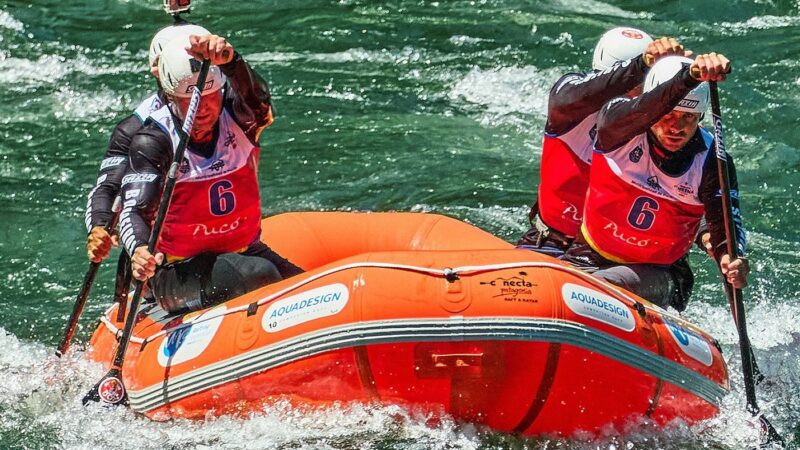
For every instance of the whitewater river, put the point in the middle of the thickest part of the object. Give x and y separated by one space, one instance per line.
381 105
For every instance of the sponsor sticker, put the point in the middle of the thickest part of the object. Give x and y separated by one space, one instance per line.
111 390
190 342
111 162
139 178
300 308
690 343
636 154
598 306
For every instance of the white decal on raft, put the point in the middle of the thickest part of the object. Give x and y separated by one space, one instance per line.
690 343
189 342
300 308
598 306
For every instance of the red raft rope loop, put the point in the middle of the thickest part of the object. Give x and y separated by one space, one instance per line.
423 310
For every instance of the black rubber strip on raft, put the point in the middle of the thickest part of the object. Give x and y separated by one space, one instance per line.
365 371
548 378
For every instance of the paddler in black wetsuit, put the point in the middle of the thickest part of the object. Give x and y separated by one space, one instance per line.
621 59
653 178
209 248
112 167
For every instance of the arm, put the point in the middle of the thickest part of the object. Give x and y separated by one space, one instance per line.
149 160
712 200
734 271
112 168
99 212
249 97
703 239
577 95
621 119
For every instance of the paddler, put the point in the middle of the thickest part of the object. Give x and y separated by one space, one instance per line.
209 248
653 178
112 167
621 59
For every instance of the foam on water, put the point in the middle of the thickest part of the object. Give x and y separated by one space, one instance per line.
461 40
760 23
22 74
72 105
353 55
44 394
506 95
8 21
598 7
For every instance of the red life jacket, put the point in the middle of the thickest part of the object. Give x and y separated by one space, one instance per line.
216 205
635 213
564 179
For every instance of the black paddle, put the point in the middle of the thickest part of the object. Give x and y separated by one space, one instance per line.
83 294
122 284
110 388
735 295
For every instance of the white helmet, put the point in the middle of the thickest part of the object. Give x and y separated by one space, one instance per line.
696 101
169 33
178 70
619 44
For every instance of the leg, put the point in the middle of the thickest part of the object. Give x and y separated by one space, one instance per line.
179 286
684 283
262 250
651 282
235 274
209 279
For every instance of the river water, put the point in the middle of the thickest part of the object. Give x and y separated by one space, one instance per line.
392 105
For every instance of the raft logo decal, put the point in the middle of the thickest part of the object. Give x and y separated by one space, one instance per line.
190 342
690 343
513 289
598 306
300 308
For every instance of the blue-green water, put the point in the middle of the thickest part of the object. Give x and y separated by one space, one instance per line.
391 105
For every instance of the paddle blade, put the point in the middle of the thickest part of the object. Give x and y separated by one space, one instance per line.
109 390
773 438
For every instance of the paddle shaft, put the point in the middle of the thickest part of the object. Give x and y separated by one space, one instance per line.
83 294
735 295
122 284
166 198
77 309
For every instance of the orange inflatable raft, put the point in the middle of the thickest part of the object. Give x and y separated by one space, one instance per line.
428 312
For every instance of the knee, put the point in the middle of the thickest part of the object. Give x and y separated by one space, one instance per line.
259 272
618 276
250 272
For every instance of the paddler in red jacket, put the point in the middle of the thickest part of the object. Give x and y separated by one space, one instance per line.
653 178
621 59
112 168
209 249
